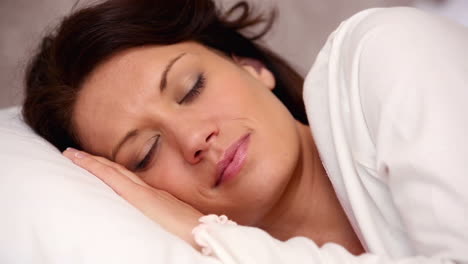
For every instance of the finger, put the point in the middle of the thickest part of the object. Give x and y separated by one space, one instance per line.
122 169
120 183
71 154
149 200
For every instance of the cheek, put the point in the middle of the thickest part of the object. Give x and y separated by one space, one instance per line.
171 174
278 155
230 89
167 173
273 164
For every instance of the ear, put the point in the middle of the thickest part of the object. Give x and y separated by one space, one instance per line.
257 69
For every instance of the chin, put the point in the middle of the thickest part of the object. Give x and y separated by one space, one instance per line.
256 198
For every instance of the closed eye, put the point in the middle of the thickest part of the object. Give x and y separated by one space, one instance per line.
196 89
189 97
143 164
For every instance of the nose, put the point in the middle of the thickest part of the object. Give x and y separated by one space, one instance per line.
194 137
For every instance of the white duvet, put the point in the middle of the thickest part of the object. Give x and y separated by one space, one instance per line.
387 103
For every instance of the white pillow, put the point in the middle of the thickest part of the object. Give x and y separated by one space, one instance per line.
55 212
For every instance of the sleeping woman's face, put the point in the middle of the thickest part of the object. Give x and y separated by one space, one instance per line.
187 120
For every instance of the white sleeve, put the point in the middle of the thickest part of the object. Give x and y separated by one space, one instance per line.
235 244
413 80
413 77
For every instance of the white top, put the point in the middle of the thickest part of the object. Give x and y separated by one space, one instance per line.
387 101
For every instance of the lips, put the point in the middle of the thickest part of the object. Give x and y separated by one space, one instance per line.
233 160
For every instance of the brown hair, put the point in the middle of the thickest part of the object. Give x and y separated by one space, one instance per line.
91 35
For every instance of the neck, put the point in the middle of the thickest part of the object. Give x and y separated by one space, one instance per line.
309 206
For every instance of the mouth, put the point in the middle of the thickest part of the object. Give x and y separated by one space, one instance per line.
233 160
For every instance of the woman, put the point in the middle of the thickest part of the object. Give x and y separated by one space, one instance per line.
183 116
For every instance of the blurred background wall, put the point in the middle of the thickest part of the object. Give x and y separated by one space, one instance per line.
301 29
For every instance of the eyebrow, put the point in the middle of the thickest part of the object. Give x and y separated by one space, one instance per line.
162 86
163 83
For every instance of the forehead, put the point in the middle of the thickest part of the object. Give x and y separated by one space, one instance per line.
112 94
136 64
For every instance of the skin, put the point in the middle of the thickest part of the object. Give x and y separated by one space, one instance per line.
282 187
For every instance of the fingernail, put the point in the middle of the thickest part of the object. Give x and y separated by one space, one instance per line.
80 154
71 150
76 153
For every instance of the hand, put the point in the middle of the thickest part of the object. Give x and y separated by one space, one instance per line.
172 214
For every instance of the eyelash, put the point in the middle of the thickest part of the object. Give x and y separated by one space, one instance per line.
196 89
144 162
192 94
